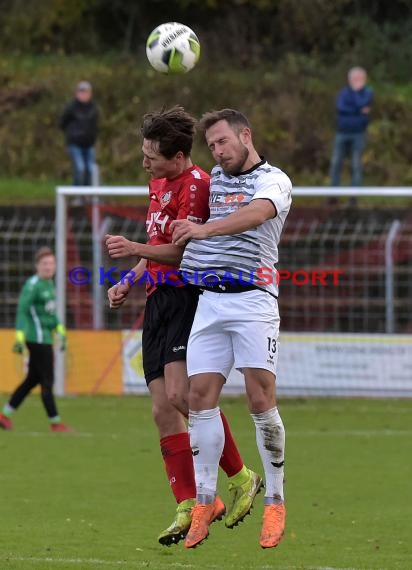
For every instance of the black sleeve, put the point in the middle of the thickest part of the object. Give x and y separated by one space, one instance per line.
97 115
66 116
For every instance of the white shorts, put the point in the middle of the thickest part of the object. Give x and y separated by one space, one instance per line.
239 329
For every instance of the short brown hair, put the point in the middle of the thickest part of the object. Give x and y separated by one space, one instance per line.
42 252
236 120
174 130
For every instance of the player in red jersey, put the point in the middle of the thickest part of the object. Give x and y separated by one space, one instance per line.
178 190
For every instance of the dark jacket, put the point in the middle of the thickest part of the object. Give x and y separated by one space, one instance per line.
79 123
349 117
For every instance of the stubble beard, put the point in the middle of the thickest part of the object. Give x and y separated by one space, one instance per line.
237 167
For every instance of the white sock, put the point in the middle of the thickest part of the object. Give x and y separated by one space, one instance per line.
207 438
270 438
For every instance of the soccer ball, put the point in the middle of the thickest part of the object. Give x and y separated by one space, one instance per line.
173 48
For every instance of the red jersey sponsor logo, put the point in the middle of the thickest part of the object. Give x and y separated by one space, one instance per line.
156 221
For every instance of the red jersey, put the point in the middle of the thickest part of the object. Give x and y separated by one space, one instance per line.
184 197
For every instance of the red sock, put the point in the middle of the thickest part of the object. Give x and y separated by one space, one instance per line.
178 459
230 462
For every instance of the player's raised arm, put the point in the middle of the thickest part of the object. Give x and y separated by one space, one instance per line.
119 246
251 216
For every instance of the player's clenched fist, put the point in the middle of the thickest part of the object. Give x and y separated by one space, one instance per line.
117 294
119 246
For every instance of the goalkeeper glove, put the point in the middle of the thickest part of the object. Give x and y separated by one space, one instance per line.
63 343
18 346
61 331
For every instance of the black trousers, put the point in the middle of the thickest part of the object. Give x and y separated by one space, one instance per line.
41 371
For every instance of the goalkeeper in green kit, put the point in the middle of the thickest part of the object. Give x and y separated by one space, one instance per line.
36 323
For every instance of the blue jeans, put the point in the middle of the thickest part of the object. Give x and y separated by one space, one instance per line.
83 161
345 144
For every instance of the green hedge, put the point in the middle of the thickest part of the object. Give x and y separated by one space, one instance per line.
290 104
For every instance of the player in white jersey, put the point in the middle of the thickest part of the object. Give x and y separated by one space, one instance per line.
231 258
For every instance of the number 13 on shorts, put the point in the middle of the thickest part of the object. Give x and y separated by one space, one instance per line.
272 346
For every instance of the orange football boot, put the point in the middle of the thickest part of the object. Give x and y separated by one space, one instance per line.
273 527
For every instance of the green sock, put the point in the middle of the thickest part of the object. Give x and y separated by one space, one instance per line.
7 410
240 477
55 420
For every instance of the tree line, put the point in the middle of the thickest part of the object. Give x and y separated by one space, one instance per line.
279 61
242 32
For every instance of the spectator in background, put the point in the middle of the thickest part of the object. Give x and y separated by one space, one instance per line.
353 106
79 123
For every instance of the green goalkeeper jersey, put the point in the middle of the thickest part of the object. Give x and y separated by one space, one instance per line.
36 311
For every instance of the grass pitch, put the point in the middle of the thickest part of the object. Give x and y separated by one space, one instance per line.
98 498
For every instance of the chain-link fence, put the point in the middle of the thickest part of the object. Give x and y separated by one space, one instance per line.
23 232
371 250
367 252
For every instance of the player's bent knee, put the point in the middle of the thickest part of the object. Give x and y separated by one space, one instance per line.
160 412
259 405
204 391
167 419
178 401
261 394
197 402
